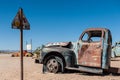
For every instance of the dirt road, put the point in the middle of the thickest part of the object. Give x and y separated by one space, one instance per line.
10 70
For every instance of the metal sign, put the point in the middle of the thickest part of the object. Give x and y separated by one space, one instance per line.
29 46
16 24
20 22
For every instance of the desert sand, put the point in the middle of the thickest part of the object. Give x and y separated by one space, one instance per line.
10 70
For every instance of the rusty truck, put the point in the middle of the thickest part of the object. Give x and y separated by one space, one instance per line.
91 53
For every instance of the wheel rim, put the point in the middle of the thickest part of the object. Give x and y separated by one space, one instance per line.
52 65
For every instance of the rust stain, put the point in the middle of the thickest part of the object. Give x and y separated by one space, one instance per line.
89 55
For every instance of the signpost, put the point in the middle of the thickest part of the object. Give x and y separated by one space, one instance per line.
20 22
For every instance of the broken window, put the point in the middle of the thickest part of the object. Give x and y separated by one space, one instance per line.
92 36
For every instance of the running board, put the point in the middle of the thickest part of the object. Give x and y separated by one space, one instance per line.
87 69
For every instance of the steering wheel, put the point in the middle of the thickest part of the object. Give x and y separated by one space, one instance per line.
90 40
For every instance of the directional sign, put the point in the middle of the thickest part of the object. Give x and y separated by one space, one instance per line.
20 21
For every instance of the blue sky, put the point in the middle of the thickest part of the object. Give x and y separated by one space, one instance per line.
57 20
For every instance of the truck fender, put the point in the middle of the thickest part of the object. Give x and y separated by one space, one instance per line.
65 59
58 58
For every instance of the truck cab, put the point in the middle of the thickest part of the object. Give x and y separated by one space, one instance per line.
91 53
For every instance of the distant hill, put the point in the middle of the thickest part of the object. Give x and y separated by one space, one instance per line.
10 51
7 51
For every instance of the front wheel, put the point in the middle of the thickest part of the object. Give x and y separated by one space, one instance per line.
53 65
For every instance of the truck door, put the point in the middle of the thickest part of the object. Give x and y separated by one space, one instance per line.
90 51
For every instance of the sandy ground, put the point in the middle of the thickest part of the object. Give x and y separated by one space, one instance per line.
10 70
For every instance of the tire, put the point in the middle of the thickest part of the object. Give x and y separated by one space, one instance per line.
53 65
36 61
12 56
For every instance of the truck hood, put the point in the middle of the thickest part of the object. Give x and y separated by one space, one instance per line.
58 44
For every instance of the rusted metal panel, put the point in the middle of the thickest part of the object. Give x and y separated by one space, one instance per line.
90 55
106 55
95 53
90 51
95 29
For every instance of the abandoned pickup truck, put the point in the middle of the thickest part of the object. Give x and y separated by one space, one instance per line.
91 53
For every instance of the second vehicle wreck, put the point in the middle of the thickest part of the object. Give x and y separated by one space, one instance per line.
116 50
91 53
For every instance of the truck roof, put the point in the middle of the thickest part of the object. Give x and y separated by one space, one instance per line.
101 29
